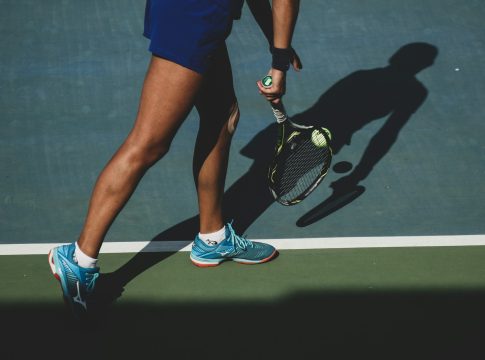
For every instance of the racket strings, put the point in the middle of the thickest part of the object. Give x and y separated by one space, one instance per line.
299 168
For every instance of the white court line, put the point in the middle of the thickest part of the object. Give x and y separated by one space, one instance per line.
281 244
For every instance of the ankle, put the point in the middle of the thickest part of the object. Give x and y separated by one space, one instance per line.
84 260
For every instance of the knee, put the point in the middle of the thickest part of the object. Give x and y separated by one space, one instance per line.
143 155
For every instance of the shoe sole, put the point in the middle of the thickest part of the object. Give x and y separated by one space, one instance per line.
204 263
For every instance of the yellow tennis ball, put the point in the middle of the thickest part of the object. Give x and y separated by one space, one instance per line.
318 139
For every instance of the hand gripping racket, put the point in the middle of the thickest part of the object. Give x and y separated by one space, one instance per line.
301 159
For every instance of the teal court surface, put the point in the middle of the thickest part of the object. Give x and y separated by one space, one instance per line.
394 271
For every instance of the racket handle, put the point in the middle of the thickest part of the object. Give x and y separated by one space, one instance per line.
279 112
278 109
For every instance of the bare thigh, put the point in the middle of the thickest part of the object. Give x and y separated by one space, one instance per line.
168 94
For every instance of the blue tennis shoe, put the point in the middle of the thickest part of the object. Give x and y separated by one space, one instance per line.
77 283
233 247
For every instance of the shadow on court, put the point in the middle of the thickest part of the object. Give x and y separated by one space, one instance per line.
345 108
391 325
357 100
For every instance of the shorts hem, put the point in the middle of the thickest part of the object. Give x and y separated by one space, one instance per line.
174 58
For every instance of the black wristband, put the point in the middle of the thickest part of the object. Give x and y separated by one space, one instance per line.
281 58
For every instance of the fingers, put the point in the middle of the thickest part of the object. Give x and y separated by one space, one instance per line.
274 92
271 94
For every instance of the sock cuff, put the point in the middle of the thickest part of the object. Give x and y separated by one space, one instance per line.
84 260
215 237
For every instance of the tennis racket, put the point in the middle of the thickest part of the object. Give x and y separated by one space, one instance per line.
301 159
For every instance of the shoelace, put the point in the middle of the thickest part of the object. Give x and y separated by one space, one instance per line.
239 242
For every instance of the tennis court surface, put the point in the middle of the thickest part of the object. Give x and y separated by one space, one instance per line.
397 272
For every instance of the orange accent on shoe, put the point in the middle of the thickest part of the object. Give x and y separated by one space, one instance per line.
52 265
204 265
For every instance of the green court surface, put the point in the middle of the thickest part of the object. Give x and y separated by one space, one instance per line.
401 303
70 77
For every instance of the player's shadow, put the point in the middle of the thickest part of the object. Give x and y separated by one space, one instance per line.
360 98
345 108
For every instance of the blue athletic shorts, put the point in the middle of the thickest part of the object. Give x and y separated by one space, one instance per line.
188 32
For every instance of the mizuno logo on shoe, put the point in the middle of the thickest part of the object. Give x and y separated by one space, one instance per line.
78 298
225 252
211 242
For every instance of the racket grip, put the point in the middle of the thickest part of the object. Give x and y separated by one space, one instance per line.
279 112
278 109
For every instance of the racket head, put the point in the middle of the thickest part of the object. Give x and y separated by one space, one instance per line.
301 161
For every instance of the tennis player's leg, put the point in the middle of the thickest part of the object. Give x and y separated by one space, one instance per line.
219 113
167 96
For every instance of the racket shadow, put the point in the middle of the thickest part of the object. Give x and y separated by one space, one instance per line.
335 202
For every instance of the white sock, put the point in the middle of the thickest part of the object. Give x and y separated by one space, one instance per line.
84 260
214 238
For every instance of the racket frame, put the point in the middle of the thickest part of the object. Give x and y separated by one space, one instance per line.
281 118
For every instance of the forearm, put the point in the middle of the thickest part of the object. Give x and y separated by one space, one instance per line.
285 13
